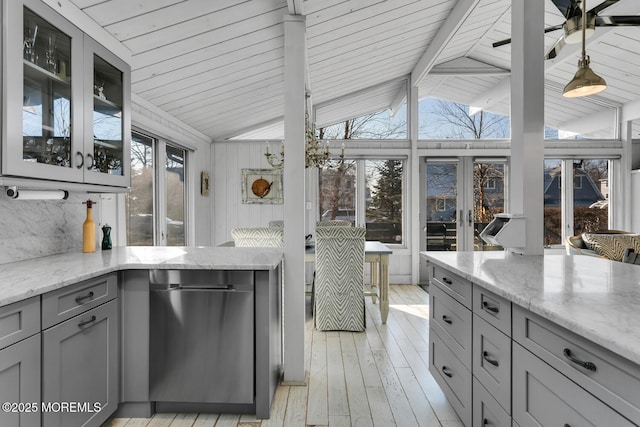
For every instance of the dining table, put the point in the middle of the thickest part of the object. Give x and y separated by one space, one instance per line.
377 255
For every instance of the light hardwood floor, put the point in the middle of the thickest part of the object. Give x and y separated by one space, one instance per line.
375 378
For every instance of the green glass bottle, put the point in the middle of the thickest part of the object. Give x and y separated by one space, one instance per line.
106 237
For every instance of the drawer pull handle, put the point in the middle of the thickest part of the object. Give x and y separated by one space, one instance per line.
447 281
86 322
485 422
494 362
586 365
447 371
487 307
80 300
566 425
446 319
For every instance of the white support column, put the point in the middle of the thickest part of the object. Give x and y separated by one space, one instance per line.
294 198
566 198
414 228
620 186
527 119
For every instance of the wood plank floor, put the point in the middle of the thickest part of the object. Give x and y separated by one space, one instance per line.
376 378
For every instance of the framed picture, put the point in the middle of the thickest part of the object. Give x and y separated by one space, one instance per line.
262 186
204 183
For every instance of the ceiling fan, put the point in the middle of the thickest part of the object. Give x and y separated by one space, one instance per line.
572 27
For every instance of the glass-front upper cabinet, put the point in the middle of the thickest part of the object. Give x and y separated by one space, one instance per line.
66 101
107 120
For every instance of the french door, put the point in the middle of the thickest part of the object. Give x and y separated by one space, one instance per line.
461 195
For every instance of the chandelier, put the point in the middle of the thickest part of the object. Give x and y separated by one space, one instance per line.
316 155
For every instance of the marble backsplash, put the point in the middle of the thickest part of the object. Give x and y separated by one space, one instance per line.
35 228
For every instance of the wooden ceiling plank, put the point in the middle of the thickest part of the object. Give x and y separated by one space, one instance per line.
112 11
194 44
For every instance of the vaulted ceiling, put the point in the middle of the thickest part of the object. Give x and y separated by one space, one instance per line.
219 65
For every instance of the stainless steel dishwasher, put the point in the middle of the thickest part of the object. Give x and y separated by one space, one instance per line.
202 336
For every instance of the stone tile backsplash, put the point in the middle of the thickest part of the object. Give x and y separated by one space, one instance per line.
35 228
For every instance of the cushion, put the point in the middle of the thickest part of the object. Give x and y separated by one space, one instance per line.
611 246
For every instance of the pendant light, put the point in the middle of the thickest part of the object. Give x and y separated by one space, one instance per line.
585 82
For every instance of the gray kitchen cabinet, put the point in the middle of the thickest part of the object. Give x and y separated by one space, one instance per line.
80 365
76 94
20 363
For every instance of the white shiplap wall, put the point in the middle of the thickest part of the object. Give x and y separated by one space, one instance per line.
228 160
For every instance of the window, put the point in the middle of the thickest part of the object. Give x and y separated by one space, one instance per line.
441 119
441 205
490 184
380 125
156 192
587 206
380 191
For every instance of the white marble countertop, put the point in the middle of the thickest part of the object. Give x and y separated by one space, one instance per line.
24 279
593 297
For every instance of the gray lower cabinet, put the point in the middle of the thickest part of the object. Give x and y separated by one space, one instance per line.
80 366
20 383
544 397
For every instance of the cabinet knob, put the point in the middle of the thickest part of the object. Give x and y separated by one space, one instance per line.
447 319
447 281
487 307
89 161
485 356
86 322
81 161
447 371
80 299
586 365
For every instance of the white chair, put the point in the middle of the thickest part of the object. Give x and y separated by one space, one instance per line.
339 292
258 237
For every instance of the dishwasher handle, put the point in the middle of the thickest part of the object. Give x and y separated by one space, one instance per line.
201 287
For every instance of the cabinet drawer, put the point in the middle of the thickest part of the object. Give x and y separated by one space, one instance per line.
492 360
64 303
546 398
453 322
454 285
615 380
19 321
492 308
486 410
452 376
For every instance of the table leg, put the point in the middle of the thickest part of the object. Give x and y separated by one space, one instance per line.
373 268
384 287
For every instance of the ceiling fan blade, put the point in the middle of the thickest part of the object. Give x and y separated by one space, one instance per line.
605 4
618 21
555 49
568 8
546 30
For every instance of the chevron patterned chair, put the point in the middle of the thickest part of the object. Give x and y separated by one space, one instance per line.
258 237
333 223
339 292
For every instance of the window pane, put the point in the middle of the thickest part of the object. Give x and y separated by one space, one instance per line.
175 196
338 192
139 203
552 202
440 119
488 199
383 200
380 125
442 202
590 195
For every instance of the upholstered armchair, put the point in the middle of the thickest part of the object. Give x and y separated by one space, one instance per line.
333 223
339 292
258 237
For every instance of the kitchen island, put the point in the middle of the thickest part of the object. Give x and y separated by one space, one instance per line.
88 315
495 317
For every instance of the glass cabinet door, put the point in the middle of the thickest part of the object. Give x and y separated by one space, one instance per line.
43 135
107 127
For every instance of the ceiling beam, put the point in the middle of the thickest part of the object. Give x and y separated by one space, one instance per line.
464 66
452 24
295 7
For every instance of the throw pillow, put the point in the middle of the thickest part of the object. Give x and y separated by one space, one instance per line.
611 246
